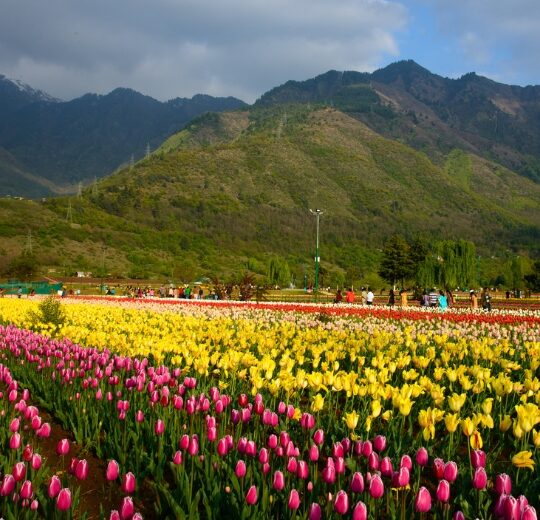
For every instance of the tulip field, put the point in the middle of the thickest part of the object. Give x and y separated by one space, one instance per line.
129 409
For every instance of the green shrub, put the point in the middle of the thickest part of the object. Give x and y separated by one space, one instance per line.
50 312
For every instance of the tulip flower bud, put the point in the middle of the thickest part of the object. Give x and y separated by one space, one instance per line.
211 434
401 478
62 448
438 468
376 487
279 481
222 448
302 471
379 443
139 416
373 461
251 496
35 461
19 471
443 491
35 422
115 515
54 487
458 515
522 502
422 457
129 483
529 513
313 453
503 484
26 490
422 502
357 482
329 474
7 486
294 500
450 471
360 511
251 448
292 465
341 504
406 462
44 431
14 424
63 500
318 437
240 470
177 458
15 441
290 411
478 459
27 452
81 470
315 512
263 455
479 478
159 427
127 509
367 448
183 443
193 448
386 467
113 470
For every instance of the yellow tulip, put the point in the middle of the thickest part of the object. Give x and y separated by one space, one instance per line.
351 419
375 408
467 426
505 423
451 422
318 403
536 438
476 440
456 401
528 416
487 405
523 459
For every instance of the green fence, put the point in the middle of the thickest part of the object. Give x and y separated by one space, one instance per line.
12 287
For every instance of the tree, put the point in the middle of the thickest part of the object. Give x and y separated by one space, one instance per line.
396 263
278 271
533 279
23 266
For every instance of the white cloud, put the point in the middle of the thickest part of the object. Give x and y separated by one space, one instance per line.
169 48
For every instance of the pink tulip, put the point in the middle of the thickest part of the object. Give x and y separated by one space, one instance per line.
360 512
177 458
529 513
318 437
81 470
14 424
294 500
422 502
127 509
159 427
314 453
373 461
272 441
379 443
44 431
479 478
503 484
63 500
251 496
458 515
329 474
222 448
240 470
113 470
35 461
193 448
26 490
367 448
115 515
129 483
292 465
422 457
511 508
15 441
35 422
443 491
376 487
19 471
302 470
279 481
406 462
34 505
315 512
340 465
450 471
7 486
27 452
401 478
341 505
62 448
139 416
183 443
357 482
55 485
386 467
478 459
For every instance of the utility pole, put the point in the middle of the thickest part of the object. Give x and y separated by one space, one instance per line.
317 213
69 215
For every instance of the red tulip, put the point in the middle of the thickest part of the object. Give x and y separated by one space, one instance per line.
81 470
341 505
479 478
422 503
27 452
55 485
294 500
360 512
113 470
376 487
279 481
127 508
443 491
251 496
315 512
63 500
438 468
129 483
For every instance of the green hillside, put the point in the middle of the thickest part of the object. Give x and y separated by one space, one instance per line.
233 189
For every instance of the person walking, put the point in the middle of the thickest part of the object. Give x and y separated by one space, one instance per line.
370 297
391 298
349 297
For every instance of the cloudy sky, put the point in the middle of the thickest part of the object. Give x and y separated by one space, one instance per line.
170 48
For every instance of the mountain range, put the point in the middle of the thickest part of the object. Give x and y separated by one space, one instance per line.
396 151
48 146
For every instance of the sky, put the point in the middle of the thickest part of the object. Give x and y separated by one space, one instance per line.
242 48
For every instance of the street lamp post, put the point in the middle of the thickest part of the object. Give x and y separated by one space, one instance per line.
317 213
